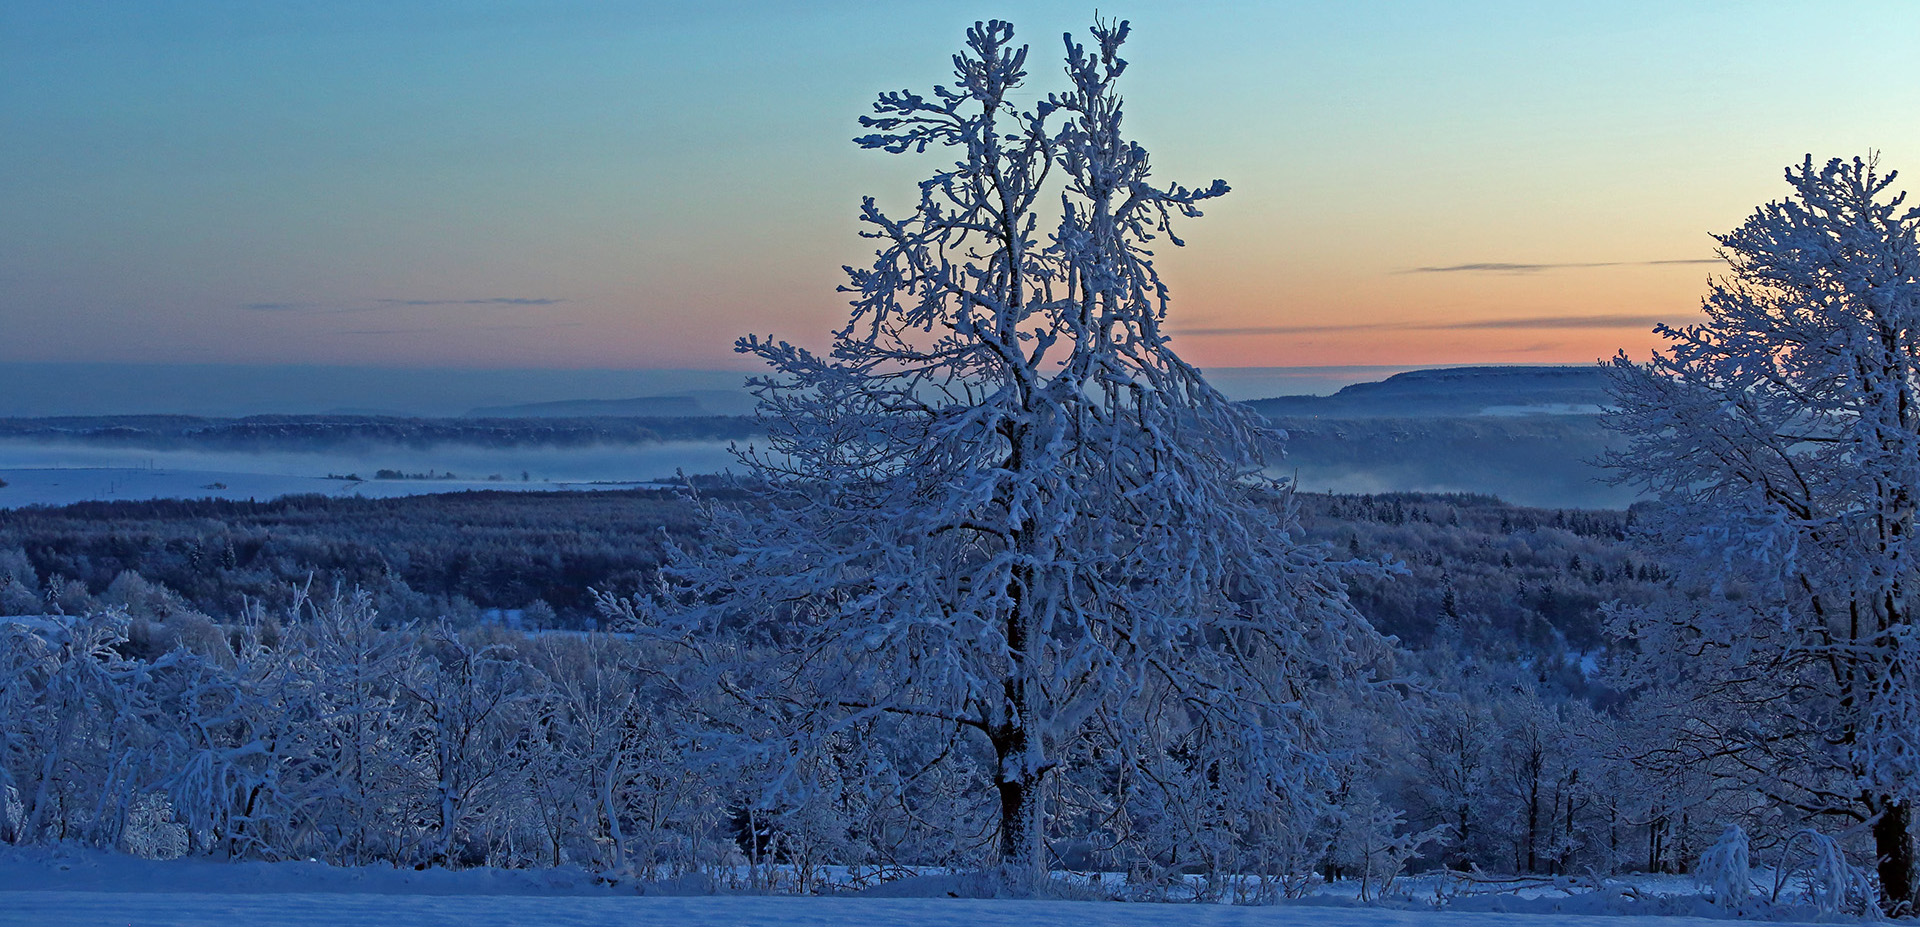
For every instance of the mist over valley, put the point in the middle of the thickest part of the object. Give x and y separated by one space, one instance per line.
1523 434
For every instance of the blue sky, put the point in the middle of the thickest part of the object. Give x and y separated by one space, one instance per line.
631 185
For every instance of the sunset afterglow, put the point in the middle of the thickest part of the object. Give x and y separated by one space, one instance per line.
634 185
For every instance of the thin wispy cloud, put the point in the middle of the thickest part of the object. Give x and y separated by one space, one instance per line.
538 326
1502 267
1563 321
378 304
489 301
1529 323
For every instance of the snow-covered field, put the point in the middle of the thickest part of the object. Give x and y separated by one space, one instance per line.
151 909
61 474
79 887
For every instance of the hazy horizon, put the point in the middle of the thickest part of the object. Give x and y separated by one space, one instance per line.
223 390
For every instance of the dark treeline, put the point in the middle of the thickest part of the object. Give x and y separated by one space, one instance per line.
1510 581
422 556
288 432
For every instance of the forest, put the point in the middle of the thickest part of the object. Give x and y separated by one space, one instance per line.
1533 579
1499 608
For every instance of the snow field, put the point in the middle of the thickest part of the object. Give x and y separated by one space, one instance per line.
83 888
198 909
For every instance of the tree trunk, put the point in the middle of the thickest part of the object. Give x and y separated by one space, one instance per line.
1015 796
1893 847
1018 768
610 806
1020 858
1533 814
1464 862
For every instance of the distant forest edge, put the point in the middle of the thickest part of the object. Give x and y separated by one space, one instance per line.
1521 583
320 432
1524 434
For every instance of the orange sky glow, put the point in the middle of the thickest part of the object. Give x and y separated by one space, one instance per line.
633 185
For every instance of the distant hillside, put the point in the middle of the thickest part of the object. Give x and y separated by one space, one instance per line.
230 390
287 432
644 406
1455 391
690 404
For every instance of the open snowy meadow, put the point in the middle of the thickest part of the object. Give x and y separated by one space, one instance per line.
296 909
85 888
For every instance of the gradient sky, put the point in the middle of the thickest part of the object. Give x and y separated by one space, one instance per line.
631 185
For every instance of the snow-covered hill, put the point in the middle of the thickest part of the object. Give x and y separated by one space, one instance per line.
1456 391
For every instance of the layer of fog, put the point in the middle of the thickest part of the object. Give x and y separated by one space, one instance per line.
1571 484
57 473
571 464
52 473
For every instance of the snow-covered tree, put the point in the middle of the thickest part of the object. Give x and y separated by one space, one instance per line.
358 732
612 758
232 734
1001 505
75 744
467 700
1783 437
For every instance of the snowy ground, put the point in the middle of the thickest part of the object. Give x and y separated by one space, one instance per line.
146 909
68 889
